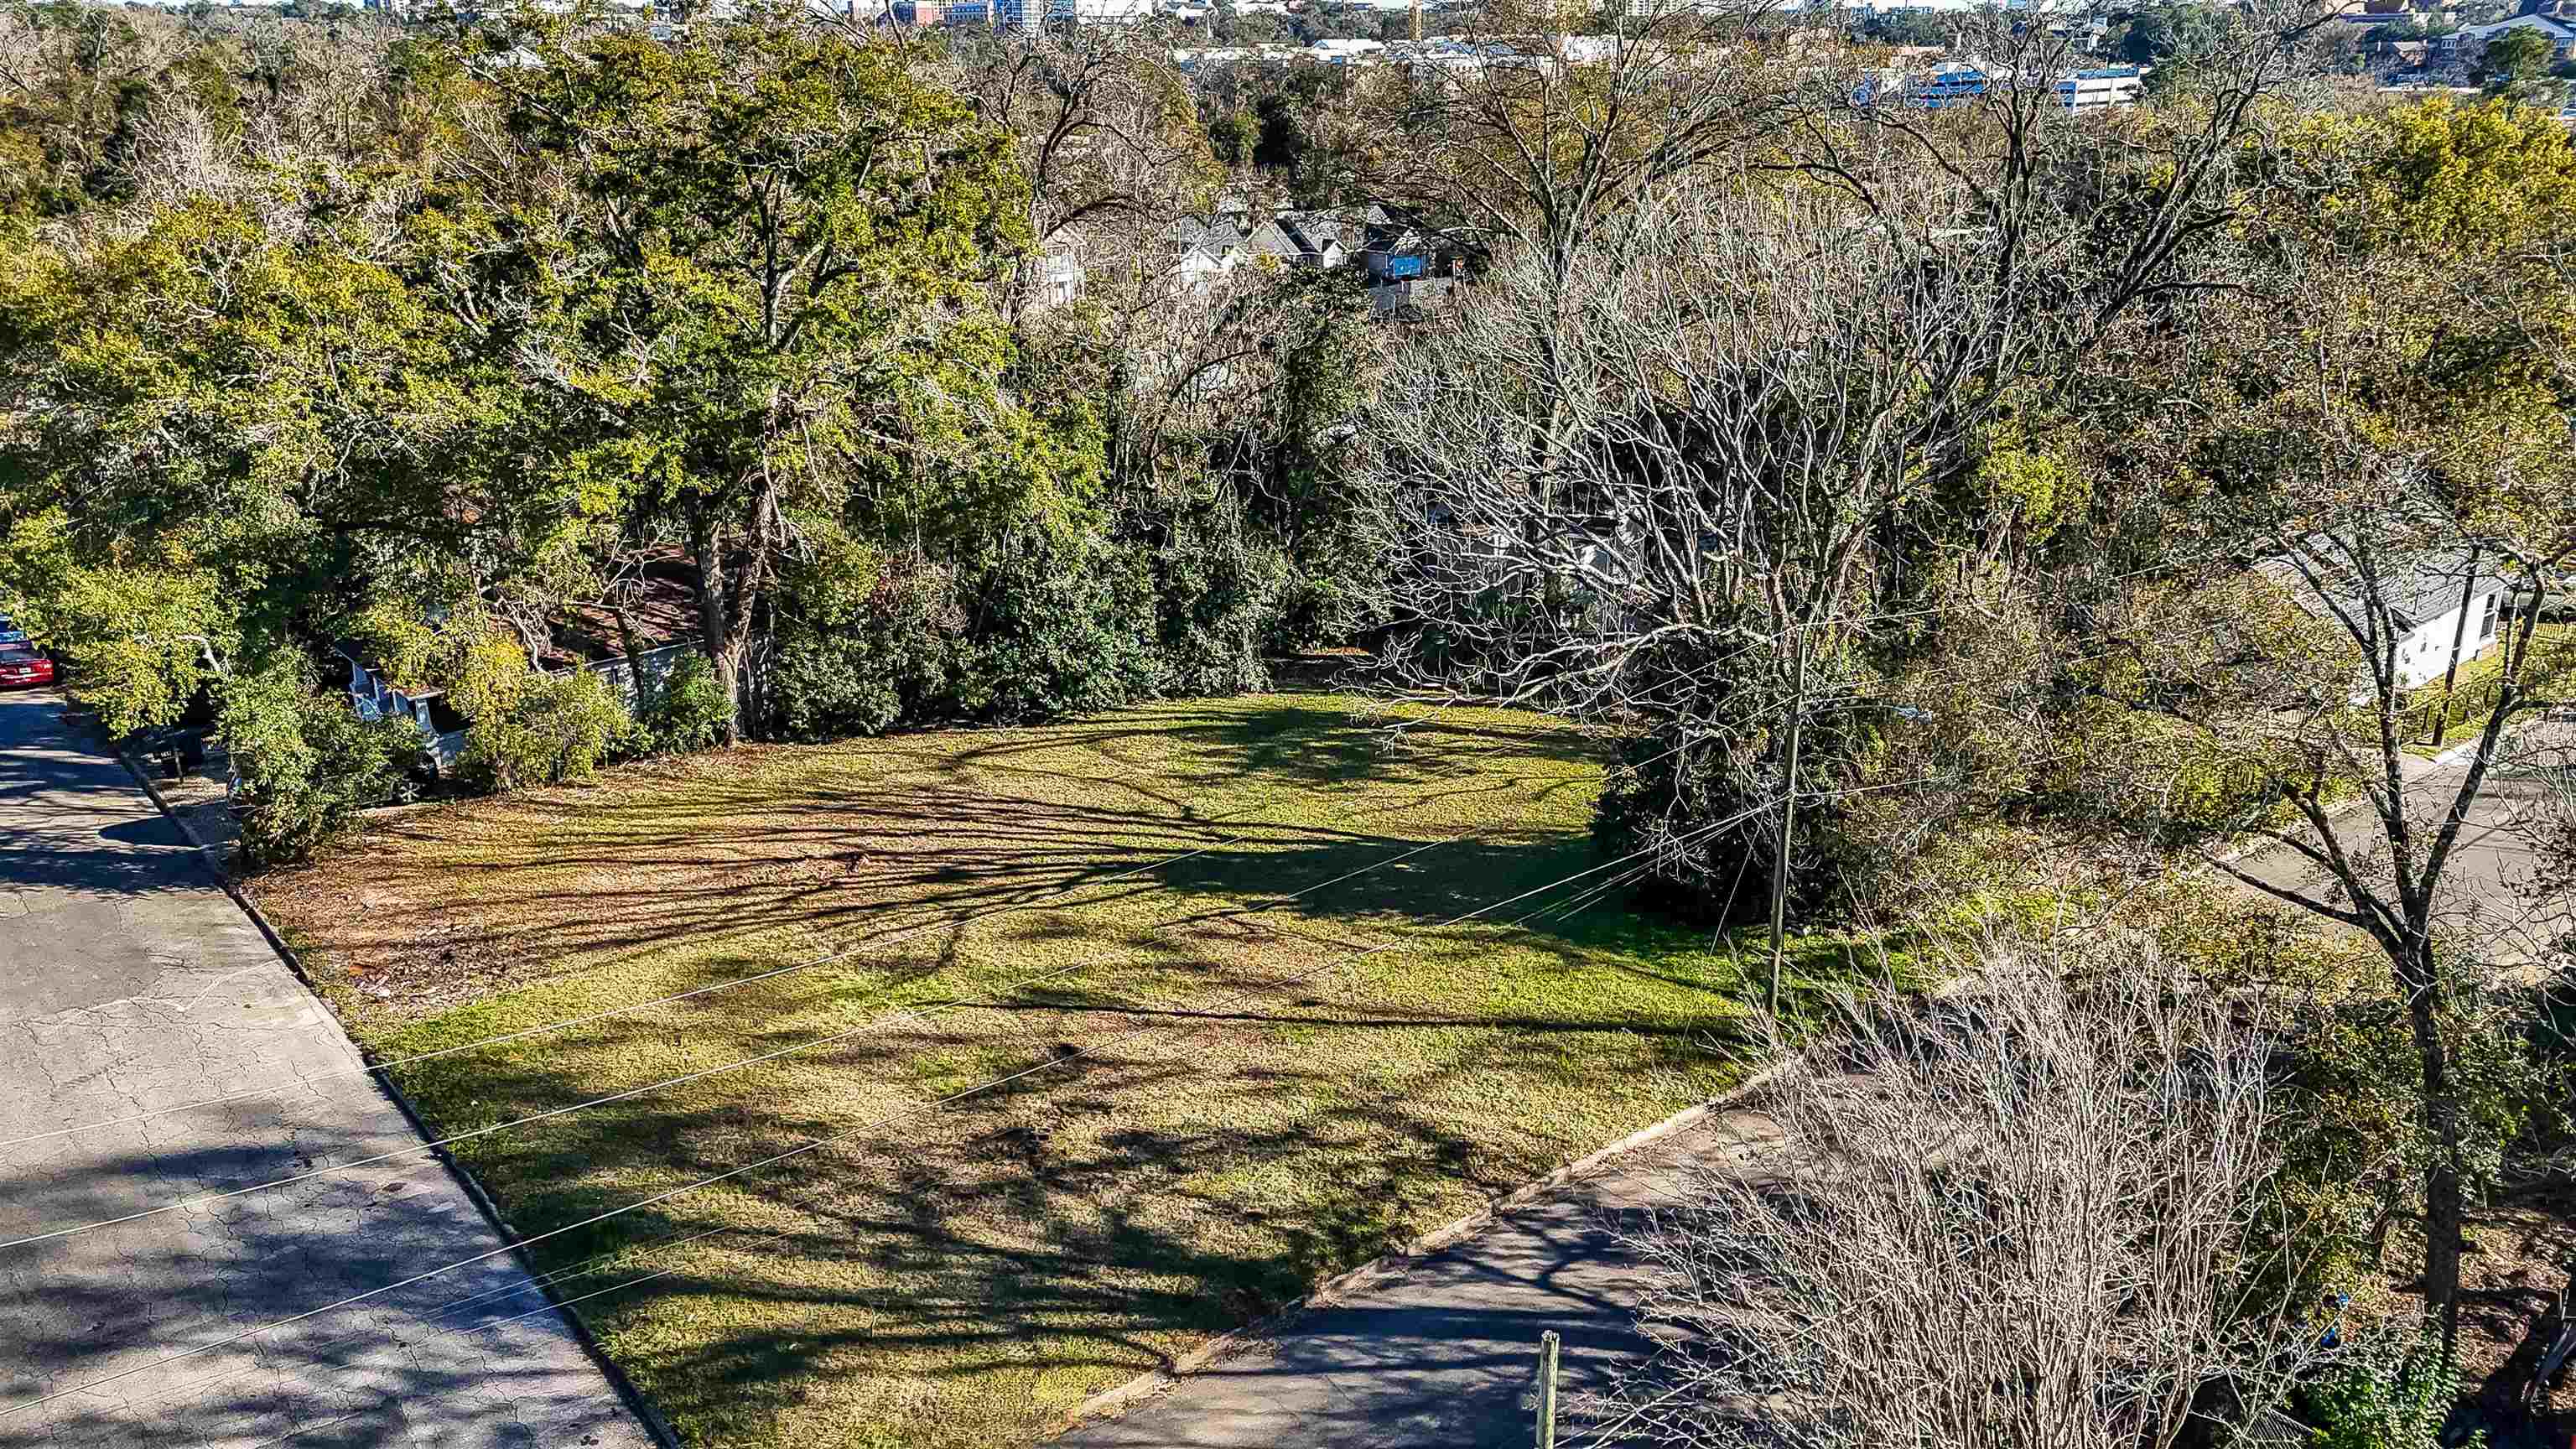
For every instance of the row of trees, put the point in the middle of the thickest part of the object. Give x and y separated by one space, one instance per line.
425 337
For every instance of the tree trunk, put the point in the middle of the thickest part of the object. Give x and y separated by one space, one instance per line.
715 632
2442 1186
634 647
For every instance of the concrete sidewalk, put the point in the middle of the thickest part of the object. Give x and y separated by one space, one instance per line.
128 983
1441 1356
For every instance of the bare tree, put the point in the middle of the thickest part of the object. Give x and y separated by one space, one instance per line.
1671 468
1686 530
1107 131
2037 1214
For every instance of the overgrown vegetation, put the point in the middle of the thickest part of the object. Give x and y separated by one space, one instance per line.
1938 508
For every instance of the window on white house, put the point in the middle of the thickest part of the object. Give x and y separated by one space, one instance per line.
2486 625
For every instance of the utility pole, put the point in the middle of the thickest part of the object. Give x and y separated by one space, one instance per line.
1788 821
1417 22
2459 637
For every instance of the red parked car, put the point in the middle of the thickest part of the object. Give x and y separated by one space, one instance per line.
22 665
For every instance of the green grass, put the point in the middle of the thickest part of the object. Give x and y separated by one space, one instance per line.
1253 1091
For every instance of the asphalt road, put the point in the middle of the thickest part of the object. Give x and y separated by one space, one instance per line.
130 983
1444 1356
2485 895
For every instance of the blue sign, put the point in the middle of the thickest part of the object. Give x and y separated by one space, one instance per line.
1404 266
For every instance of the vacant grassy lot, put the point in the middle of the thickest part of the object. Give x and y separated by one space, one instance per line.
1274 1056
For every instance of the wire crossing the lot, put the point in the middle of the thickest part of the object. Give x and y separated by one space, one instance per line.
542 1282
887 1021
817 1144
1155 1022
610 1013
524 1033
891 1019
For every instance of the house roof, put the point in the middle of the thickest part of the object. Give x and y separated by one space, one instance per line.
1315 230
662 604
1269 240
2416 587
2556 30
1209 234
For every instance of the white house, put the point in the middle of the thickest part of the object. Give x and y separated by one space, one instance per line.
2560 35
2110 85
2436 600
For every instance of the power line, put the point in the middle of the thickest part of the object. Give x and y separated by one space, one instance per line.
802 1149
921 1013
908 1014
539 1281
523 1033
888 1020
1155 1022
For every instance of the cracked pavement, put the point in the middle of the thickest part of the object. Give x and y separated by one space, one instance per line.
130 983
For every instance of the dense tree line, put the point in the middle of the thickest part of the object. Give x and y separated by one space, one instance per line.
424 336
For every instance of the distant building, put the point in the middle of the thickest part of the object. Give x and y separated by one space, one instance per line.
1952 83
2470 38
2434 599
1061 274
2110 85
1958 83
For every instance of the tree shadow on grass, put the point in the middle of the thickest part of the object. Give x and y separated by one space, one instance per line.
454 904
1158 1178
1037 1229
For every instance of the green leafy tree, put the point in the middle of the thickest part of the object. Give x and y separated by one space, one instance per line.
770 293
2517 64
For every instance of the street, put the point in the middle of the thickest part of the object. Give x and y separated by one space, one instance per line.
2483 897
130 984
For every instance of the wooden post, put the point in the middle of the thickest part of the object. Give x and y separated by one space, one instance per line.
1547 1355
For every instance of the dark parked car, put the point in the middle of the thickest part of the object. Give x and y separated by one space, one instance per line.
21 665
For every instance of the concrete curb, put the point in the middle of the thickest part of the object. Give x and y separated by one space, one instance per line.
633 1397
1111 1402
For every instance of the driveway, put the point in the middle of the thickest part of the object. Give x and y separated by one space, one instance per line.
1442 1356
129 984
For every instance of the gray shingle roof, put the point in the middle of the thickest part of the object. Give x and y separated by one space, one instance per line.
2416 587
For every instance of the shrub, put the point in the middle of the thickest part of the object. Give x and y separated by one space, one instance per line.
305 763
2394 1395
889 660
1055 625
687 708
1710 820
546 728
1216 600
827 689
